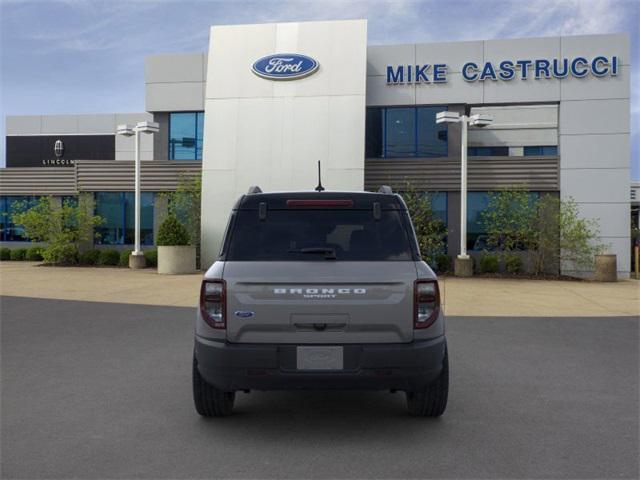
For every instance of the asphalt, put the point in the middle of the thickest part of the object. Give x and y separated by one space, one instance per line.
103 390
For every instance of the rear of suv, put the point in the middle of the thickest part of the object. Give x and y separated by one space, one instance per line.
320 290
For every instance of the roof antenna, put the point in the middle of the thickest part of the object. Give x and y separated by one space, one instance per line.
319 188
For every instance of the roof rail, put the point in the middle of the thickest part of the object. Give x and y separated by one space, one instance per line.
254 189
386 189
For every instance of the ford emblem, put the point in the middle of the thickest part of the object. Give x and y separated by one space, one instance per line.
285 66
244 314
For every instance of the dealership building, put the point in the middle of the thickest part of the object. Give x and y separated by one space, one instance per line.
267 101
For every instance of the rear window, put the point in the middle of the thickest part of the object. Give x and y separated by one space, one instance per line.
320 235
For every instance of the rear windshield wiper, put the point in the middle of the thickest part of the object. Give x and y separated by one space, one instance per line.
329 253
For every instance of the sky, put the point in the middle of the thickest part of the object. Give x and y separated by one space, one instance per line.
87 56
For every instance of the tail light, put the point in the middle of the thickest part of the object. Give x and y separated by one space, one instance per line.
426 303
213 303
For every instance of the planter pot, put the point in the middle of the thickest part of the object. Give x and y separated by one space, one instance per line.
176 260
606 268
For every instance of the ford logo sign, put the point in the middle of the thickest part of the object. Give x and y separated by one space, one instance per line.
244 313
285 66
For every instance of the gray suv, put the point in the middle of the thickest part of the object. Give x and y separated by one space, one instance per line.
320 290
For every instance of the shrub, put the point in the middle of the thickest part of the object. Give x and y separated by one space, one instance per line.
172 232
57 254
109 257
18 254
513 263
5 253
62 227
152 257
90 257
124 258
443 263
431 231
34 254
489 263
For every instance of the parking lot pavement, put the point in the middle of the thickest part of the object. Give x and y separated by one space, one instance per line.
102 390
477 296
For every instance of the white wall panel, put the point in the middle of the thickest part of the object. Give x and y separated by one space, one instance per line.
379 93
174 97
594 117
455 90
593 45
379 56
269 133
591 87
453 54
595 151
521 49
610 185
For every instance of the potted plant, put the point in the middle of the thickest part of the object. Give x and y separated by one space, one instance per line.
175 255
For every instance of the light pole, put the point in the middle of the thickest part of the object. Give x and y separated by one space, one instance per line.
463 264
136 259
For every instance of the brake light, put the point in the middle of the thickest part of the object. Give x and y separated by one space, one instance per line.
213 303
319 203
426 303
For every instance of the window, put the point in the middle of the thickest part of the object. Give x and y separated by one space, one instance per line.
10 232
439 205
405 132
549 150
307 235
117 211
478 202
185 135
488 151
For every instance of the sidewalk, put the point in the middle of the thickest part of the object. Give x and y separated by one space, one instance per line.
461 296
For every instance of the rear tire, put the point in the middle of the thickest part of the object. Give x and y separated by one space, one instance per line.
431 402
209 401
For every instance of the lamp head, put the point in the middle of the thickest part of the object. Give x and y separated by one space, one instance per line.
480 120
148 127
126 130
447 117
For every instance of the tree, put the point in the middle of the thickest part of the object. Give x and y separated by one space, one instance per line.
431 232
508 219
184 203
62 227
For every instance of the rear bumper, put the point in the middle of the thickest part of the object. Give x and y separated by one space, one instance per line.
409 367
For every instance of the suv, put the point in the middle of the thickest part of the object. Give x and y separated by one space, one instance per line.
320 290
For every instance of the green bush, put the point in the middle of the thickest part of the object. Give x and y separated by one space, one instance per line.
61 254
513 263
443 263
124 258
152 258
109 257
61 227
34 254
5 253
489 263
172 232
18 254
90 257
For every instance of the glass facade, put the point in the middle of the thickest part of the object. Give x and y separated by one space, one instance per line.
488 151
549 150
405 132
185 135
117 211
478 202
10 232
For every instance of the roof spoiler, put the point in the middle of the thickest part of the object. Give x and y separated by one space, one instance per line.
386 189
254 189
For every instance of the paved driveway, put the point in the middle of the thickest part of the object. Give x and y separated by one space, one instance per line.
97 390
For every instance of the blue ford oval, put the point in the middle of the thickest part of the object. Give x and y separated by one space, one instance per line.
285 66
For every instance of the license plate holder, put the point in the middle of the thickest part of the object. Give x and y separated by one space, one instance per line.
319 358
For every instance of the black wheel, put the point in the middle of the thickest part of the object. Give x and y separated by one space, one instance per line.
431 402
209 401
